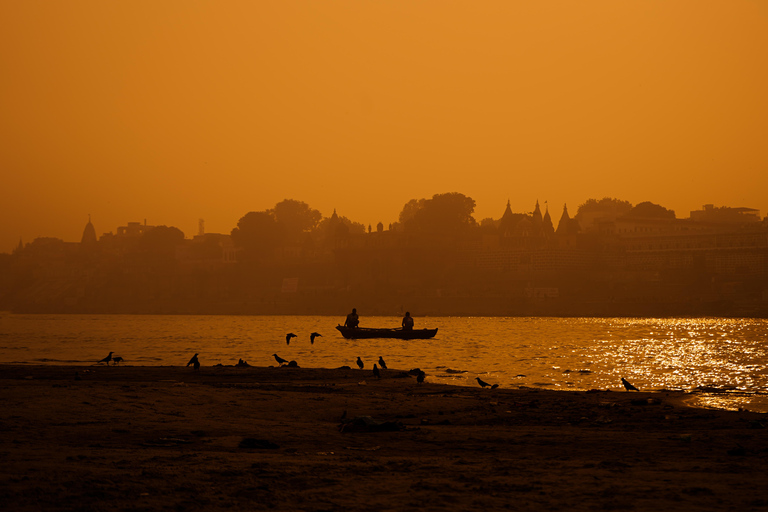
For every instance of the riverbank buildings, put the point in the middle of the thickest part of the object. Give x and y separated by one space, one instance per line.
602 262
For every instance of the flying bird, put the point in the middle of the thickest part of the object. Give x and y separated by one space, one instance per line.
288 338
117 360
359 362
382 363
106 359
313 336
279 359
420 377
627 385
194 361
376 372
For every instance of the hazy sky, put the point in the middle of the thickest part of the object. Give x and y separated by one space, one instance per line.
172 111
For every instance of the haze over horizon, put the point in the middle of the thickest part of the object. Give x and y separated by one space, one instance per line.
177 111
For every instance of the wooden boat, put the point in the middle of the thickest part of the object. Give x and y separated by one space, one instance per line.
358 333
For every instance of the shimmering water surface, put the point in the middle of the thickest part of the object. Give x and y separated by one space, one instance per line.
727 357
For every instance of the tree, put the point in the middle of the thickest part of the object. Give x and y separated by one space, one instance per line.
648 209
294 218
257 233
449 213
608 205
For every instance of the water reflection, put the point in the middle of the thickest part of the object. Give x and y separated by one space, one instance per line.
556 353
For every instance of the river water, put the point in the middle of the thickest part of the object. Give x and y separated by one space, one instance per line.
725 360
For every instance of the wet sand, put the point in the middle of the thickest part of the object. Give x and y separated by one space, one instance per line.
228 438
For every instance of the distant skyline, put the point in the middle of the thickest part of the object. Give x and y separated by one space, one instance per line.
176 111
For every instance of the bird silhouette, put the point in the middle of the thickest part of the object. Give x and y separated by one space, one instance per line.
382 363
288 338
485 384
106 359
279 359
420 377
359 362
627 385
376 372
195 362
313 336
117 360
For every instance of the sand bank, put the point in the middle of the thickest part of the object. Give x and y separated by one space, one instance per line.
226 438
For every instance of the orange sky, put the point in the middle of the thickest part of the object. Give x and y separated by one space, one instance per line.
174 111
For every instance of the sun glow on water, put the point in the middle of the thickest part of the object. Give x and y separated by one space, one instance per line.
726 357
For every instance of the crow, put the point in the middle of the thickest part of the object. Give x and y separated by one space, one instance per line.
485 384
117 360
194 361
628 386
279 359
313 336
359 362
376 372
288 338
106 359
382 363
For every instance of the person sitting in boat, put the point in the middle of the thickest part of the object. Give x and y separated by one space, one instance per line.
407 322
352 319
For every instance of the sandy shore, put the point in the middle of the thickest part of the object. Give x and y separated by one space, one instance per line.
226 438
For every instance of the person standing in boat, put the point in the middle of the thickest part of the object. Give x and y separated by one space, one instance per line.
352 319
407 322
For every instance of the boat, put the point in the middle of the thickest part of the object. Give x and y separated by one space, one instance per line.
357 333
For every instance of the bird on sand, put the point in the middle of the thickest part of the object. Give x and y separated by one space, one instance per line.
359 362
117 360
279 359
313 336
376 372
288 338
382 363
627 385
485 384
194 361
420 376
106 359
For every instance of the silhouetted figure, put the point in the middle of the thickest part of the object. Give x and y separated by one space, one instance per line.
376 372
627 385
194 362
77 376
407 322
279 359
359 362
420 376
485 384
288 338
106 359
117 360
352 319
313 336
382 363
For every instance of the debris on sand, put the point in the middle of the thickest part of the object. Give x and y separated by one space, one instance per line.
368 424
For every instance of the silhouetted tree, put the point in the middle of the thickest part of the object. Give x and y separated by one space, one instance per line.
609 205
449 213
410 209
257 233
294 218
648 209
